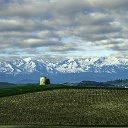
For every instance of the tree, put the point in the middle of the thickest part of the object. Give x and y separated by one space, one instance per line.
47 81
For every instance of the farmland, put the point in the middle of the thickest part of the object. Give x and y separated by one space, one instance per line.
65 106
28 88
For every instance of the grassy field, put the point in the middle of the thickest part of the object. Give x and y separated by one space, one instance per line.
42 126
62 105
28 88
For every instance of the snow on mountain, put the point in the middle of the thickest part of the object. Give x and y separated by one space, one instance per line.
103 64
6 67
27 66
27 59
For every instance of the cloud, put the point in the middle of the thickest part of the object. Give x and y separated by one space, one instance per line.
33 43
63 26
68 47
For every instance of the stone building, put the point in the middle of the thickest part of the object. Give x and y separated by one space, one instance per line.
42 80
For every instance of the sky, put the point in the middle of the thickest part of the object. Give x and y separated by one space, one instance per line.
61 29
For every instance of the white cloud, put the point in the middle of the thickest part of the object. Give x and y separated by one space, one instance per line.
49 25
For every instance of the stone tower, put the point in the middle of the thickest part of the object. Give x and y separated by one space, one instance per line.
42 80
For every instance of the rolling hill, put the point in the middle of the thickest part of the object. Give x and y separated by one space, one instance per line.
64 105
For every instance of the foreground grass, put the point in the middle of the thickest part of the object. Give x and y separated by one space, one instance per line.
38 126
69 106
42 126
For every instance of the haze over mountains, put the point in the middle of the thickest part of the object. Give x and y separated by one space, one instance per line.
70 70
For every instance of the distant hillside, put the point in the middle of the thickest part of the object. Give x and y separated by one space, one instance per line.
95 84
6 84
115 83
28 81
119 83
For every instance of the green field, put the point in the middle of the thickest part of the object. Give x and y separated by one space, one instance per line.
62 105
4 92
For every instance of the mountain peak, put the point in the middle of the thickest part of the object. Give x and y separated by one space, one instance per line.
27 59
93 66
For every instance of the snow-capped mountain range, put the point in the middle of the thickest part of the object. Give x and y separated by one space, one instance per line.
70 70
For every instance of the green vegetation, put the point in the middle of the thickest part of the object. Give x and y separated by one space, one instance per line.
26 89
64 105
51 126
48 126
47 81
119 82
95 84
34 88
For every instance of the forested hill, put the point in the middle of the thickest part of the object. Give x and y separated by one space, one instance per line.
95 84
115 83
119 82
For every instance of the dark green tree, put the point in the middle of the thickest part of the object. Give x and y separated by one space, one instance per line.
47 81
